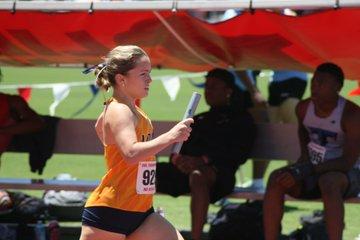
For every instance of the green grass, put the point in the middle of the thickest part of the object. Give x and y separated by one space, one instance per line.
159 107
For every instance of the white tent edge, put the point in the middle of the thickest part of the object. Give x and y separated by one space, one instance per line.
210 5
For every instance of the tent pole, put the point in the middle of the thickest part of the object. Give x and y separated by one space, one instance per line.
212 5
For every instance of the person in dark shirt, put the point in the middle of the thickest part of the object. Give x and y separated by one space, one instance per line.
220 141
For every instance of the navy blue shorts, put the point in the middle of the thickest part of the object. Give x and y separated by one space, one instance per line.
290 88
114 220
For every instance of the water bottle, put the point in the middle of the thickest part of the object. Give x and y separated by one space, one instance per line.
54 230
160 211
40 231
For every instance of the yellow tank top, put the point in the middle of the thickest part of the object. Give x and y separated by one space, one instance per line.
128 187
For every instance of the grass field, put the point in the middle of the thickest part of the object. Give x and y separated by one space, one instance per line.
159 107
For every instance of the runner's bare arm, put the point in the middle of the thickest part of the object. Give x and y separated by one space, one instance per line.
121 125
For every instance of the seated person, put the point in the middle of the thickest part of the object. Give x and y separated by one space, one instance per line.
221 140
329 165
257 106
286 89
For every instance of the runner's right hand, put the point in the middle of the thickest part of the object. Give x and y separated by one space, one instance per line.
181 131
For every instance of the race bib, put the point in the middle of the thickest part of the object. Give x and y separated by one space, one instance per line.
145 180
316 153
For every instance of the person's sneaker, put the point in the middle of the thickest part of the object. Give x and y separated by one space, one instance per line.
250 187
222 202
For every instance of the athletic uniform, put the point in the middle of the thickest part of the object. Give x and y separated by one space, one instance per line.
124 197
326 143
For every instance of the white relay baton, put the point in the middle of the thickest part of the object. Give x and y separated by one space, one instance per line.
190 110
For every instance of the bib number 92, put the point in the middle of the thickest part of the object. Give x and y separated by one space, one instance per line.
145 179
149 177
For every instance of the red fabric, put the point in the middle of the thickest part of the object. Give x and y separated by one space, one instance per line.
355 92
25 93
263 40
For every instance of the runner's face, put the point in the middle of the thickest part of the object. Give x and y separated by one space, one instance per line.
137 80
216 92
324 87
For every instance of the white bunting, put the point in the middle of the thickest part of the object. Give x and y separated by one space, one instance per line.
60 92
87 83
171 85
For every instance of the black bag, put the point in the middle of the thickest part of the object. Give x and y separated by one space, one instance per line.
238 221
30 231
7 233
25 209
313 227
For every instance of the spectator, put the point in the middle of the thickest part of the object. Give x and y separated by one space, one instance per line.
329 164
286 89
220 141
257 106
